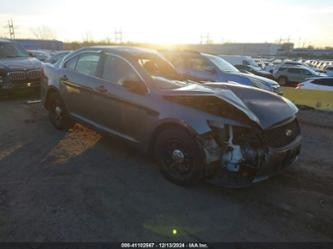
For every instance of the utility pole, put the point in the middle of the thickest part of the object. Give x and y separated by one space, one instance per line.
11 29
205 39
118 36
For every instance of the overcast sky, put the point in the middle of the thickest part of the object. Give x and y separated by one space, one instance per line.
304 22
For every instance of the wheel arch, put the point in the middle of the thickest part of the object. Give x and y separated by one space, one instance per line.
51 90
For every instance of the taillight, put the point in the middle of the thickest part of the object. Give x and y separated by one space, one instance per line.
299 85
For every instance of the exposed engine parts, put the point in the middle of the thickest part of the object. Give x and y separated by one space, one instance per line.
232 152
232 156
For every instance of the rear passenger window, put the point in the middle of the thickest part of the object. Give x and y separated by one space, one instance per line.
87 64
116 70
70 65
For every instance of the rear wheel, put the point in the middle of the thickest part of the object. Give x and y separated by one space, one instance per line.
57 112
282 80
179 156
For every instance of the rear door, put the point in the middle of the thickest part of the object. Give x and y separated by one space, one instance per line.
79 81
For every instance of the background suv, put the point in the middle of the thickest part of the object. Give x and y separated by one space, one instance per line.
17 69
294 74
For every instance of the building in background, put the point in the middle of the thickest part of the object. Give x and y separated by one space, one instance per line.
250 49
32 44
312 52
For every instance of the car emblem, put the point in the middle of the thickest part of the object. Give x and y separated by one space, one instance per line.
289 132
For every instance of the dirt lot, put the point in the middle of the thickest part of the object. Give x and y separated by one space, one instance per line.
79 186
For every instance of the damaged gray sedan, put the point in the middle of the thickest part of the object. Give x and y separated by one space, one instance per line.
232 133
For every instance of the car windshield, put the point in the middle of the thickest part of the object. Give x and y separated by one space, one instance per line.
155 65
9 50
221 64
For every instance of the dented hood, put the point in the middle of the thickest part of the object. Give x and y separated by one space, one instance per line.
262 107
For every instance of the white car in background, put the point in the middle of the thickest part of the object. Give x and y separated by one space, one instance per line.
329 71
271 67
322 83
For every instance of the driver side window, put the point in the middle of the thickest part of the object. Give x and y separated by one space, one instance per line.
70 65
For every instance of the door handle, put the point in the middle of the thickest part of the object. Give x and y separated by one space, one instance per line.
101 89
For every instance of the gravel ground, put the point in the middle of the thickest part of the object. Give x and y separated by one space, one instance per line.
80 186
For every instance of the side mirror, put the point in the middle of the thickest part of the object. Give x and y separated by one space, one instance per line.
135 86
30 54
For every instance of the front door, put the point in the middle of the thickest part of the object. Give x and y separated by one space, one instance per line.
120 111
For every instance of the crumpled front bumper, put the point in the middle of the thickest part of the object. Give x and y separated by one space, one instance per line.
277 159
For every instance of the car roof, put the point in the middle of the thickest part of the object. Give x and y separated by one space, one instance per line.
123 50
293 66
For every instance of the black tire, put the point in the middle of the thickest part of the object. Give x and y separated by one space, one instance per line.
283 81
179 156
57 112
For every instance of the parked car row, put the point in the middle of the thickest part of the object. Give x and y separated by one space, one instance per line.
166 105
320 64
47 56
247 64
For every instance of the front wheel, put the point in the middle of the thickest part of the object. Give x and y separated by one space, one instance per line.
179 156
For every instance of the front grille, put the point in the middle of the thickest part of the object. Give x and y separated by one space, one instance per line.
32 75
21 75
17 76
282 135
